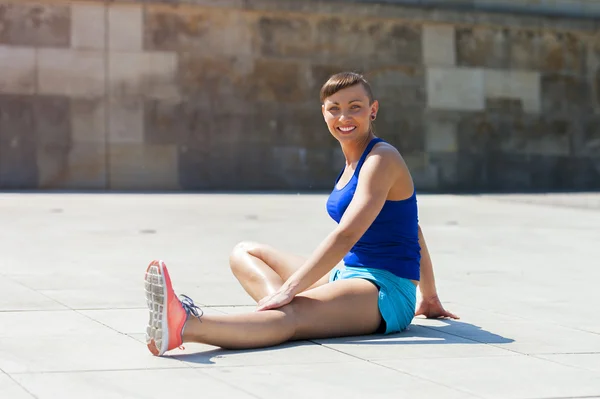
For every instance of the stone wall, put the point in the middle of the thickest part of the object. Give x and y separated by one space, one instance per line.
223 94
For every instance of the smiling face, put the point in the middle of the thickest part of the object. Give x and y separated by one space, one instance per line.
348 112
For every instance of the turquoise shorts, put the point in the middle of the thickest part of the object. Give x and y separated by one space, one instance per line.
397 295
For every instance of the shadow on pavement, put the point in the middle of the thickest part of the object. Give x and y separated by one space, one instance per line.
454 332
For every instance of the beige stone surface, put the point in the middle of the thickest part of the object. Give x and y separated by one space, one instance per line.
126 120
88 26
441 136
88 120
17 70
143 166
75 73
202 30
34 23
515 84
439 46
82 166
152 74
125 27
521 92
458 89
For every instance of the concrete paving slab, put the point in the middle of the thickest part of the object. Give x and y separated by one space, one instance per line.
520 271
17 297
527 337
126 321
292 353
129 384
586 361
504 376
417 342
31 325
106 350
332 380
11 389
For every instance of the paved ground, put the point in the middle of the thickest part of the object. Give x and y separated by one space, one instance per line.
521 271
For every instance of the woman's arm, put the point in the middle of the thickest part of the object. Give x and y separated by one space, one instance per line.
427 283
377 176
430 305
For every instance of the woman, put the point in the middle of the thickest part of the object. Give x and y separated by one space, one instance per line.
377 237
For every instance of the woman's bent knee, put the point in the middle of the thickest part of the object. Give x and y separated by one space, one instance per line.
240 250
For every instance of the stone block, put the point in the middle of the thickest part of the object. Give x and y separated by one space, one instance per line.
143 167
88 121
52 120
479 133
75 73
459 89
524 172
31 24
280 81
88 26
164 122
125 27
547 137
482 47
18 70
149 74
378 40
285 36
589 146
439 45
196 167
126 120
80 166
512 84
401 85
257 171
202 30
216 77
566 94
441 172
441 135
546 51
425 175
189 123
593 72
402 127
18 167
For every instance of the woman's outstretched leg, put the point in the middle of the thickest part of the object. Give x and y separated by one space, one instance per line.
262 269
342 308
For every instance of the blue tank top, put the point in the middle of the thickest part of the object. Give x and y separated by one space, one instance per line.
392 241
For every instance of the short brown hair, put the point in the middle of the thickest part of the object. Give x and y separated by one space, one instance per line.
343 80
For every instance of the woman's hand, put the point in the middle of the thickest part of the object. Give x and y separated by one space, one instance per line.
432 308
279 298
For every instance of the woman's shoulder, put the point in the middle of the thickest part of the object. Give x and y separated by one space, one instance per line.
387 152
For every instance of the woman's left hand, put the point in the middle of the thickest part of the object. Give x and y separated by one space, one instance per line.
279 298
432 309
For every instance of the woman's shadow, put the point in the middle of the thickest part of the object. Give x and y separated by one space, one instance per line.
444 332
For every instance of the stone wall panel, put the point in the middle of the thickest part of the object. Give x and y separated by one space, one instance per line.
18 156
209 94
34 24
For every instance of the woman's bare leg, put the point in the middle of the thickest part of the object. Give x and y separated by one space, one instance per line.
341 308
262 269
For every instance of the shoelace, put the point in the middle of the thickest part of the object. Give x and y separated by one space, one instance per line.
190 308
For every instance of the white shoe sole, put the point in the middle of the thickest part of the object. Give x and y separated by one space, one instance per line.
157 331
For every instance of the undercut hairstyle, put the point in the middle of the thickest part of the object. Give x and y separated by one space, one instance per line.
343 80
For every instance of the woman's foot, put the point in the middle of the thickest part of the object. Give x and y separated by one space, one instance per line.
168 314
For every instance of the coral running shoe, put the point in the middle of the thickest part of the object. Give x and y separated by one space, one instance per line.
168 314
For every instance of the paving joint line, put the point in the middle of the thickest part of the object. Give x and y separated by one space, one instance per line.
397 371
18 383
